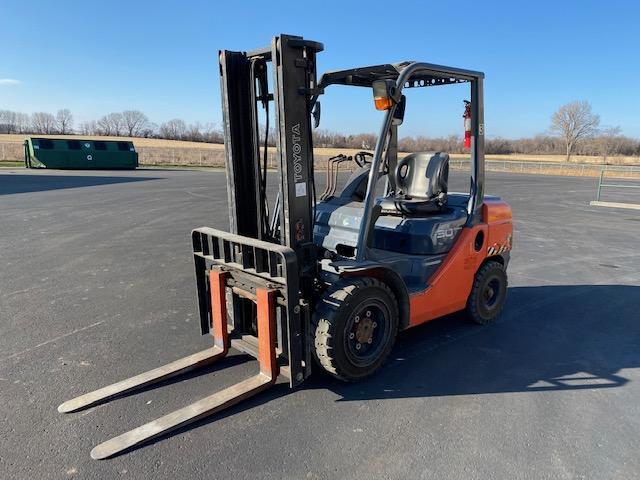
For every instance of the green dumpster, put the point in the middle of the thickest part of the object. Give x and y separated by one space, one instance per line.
79 154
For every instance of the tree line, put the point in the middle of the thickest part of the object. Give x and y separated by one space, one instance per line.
574 130
129 123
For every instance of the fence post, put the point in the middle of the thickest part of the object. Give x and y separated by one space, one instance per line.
600 184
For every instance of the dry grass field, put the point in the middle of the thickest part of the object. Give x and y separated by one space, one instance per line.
154 151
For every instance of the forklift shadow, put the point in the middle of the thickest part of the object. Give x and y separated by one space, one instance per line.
12 184
548 338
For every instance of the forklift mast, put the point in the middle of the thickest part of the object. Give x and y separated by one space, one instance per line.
245 86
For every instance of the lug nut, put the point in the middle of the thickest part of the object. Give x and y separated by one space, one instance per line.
358 346
351 335
357 319
370 340
368 314
375 324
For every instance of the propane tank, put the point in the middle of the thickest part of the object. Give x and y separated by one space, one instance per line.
467 124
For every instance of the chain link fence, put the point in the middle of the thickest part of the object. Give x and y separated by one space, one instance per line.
552 168
214 157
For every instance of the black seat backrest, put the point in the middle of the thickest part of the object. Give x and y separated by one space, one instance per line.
423 175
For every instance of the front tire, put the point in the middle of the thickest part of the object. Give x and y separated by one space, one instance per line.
488 293
355 324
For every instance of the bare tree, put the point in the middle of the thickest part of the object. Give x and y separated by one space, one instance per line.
103 126
64 121
43 122
574 122
194 132
22 122
149 131
8 121
607 140
117 123
135 122
89 128
173 129
14 122
212 134
111 124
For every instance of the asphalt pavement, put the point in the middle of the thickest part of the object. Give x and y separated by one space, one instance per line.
97 284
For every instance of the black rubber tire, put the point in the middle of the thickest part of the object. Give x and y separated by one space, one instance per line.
333 317
490 278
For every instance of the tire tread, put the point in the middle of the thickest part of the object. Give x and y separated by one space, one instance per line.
472 305
335 299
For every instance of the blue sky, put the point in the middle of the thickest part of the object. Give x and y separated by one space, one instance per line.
161 57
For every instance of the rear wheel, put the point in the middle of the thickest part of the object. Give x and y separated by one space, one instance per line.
355 325
488 293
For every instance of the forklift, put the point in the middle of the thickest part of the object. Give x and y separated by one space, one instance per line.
303 284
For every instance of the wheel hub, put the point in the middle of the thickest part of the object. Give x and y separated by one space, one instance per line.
364 330
367 331
488 293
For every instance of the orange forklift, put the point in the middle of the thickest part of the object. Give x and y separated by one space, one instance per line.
303 284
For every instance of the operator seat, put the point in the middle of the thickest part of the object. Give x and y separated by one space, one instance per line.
421 185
